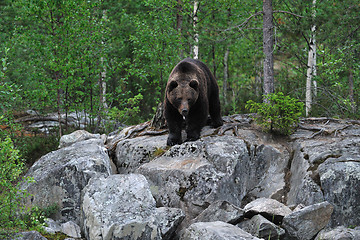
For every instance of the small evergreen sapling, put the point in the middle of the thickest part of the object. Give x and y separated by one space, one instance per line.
278 114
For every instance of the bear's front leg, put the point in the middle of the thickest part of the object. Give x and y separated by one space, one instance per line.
174 132
193 129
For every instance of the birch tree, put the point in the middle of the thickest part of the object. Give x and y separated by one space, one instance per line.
196 34
311 67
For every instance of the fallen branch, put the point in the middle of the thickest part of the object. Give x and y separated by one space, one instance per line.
39 119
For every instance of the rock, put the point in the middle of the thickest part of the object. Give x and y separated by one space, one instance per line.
168 219
307 222
71 229
132 152
261 227
122 207
32 235
303 188
267 168
340 181
215 231
339 233
184 178
77 136
51 226
326 168
207 179
221 211
194 174
271 209
45 124
61 175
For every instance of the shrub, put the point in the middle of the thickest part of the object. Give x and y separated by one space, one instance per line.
11 167
278 113
129 112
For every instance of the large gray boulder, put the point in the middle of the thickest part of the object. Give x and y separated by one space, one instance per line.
31 235
122 207
215 231
261 227
133 152
270 208
307 222
221 211
60 176
339 233
77 136
340 181
186 176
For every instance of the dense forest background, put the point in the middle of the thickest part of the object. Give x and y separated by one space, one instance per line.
111 59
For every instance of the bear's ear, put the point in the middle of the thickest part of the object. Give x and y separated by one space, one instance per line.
194 84
172 85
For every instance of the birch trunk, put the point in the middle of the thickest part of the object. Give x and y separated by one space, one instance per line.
226 75
196 35
268 47
311 68
103 107
57 77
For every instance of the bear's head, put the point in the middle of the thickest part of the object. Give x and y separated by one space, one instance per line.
182 94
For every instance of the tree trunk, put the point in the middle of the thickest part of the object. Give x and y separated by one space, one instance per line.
179 20
311 68
103 107
258 78
226 75
57 76
196 34
268 47
351 91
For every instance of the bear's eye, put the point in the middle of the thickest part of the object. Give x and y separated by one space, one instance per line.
194 84
172 85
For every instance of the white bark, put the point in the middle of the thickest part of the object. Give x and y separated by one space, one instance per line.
196 35
311 68
102 80
103 85
226 75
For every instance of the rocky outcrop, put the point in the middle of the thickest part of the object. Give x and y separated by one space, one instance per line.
60 176
36 122
234 181
326 167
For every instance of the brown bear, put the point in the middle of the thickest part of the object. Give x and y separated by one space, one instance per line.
191 95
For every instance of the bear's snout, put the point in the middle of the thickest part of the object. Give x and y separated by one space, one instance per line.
184 109
184 112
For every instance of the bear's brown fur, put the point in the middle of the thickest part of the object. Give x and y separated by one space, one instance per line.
191 95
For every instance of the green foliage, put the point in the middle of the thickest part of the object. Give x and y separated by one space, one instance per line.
34 147
278 113
11 168
129 113
34 219
61 51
